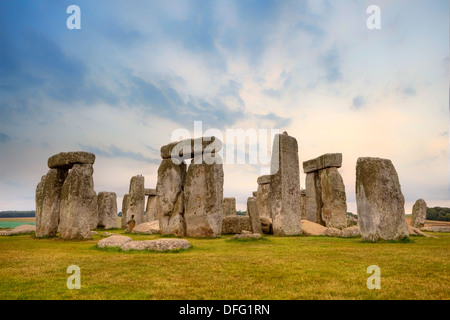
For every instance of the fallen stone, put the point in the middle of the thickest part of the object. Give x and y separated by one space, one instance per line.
350 232
417 232
22 229
147 227
379 200
107 234
113 241
68 159
324 161
419 214
247 236
157 245
332 232
246 232
94 233
312 229
436 228
235 224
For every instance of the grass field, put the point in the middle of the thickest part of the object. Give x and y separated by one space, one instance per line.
272 268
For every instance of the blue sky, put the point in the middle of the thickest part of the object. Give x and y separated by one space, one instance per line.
138 70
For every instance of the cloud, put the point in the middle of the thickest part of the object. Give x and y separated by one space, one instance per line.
407 90
358 102
115 152
331 62
4 137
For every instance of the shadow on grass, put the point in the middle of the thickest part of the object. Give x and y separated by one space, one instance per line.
251 240
402 240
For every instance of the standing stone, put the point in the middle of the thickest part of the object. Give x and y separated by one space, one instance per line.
151 211
419 214
125 206
204 199
303 203
137 199
229 207
334 205
78 208
285 186
263 197
252 210
170 198
379 200
48 194
313 198
107 210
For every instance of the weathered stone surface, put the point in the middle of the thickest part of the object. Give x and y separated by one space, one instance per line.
419 214
254 194
324 161
263 201
22 229
94 233
48 193
334 205
151 212
303 204
147 227
266 225
313 198
137 199
203 193
190 148
125 206
310 228
150 192
107 210
379 199
264 179
78 208
68 159
285 186
229 207
157 245
107 234
252 211
170 198
113 241
332 232
245 236
350 232
235 224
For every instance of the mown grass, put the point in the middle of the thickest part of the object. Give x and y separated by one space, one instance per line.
272 268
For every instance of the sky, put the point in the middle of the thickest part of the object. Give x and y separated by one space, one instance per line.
137 72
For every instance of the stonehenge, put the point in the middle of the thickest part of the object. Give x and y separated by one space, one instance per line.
189 201
325 198
66 202
379 200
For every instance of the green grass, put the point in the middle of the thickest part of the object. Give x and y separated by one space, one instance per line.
272 268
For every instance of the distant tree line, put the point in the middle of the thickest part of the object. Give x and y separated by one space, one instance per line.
17 214
438 213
